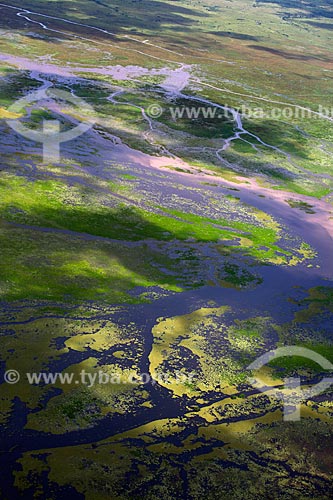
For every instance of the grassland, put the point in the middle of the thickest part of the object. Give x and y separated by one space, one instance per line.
123 260
276 71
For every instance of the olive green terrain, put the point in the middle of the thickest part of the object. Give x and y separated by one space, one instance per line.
149 248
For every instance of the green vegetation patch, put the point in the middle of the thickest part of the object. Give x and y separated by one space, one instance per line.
44 265
319 302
